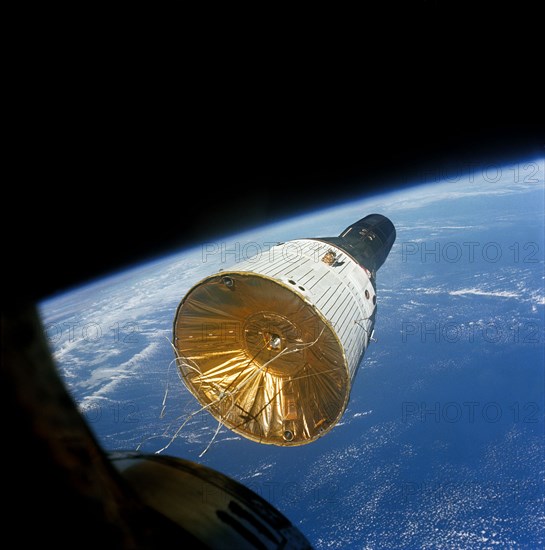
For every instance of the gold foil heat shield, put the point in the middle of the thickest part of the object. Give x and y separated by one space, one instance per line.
261 359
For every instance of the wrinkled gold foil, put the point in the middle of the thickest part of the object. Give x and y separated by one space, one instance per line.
261 358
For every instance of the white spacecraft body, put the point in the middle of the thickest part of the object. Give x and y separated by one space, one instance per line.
271 346
332 282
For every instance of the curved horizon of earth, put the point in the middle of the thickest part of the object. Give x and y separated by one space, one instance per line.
442 442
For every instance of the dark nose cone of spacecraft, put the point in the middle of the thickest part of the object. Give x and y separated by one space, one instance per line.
368 240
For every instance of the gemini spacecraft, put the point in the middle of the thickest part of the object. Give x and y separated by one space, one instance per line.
271 346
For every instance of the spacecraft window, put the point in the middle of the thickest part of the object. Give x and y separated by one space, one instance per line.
367 294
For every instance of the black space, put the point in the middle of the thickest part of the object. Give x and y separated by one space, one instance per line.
149 140
114 197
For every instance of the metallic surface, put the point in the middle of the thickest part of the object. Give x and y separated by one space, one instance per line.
215 510
270 349
261 359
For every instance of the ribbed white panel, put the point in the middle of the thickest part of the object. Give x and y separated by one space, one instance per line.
338 291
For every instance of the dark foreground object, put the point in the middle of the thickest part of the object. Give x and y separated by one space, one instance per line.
70 492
